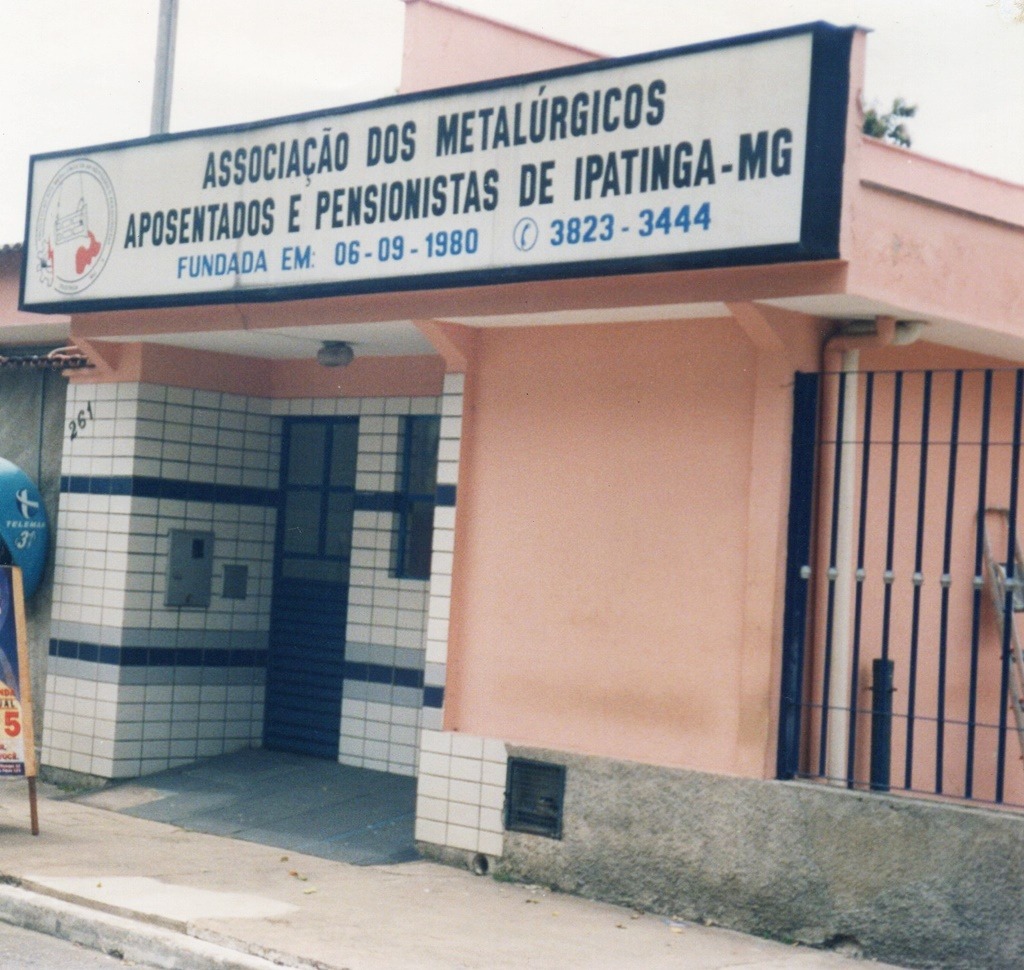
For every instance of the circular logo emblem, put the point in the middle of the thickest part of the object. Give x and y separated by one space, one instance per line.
75 227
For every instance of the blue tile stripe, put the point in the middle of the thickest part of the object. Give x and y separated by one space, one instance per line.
377 501
158 656
146 486
382 674
220 657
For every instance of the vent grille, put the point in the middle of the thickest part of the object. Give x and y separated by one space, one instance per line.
533 797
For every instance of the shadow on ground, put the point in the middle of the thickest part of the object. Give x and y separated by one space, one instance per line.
307 805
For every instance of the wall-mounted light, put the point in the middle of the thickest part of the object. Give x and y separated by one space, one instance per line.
335 353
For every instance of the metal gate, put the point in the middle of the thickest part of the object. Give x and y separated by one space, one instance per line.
899 670
306 663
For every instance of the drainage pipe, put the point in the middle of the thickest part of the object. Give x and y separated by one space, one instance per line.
837 700
847 339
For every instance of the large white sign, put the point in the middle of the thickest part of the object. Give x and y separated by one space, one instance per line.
716 155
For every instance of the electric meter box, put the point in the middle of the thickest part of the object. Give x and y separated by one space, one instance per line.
189 568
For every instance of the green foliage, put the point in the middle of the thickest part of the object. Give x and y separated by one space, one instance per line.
889 126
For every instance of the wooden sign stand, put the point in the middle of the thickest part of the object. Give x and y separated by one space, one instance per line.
17 734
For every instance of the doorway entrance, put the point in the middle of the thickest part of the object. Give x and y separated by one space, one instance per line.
306 662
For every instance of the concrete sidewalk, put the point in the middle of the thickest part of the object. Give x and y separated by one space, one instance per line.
158 894
308 805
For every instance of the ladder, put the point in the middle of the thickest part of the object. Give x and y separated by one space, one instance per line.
997 530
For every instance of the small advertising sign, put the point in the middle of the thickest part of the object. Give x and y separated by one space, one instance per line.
17 754
24 530
17 739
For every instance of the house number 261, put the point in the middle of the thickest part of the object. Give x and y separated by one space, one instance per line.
81 421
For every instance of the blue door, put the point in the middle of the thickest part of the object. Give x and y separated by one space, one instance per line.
306 664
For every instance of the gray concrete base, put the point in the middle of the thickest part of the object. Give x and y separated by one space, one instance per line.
921 883
73 782
131 940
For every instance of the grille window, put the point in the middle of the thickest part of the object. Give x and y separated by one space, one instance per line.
416 497
533 797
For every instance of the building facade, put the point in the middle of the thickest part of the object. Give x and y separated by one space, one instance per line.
619 670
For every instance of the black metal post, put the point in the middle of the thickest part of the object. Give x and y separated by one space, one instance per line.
881 723
794 634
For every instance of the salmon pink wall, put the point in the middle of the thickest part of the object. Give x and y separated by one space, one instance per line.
445 47
603 530
946 242
204 370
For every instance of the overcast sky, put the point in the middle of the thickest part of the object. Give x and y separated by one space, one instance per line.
76 73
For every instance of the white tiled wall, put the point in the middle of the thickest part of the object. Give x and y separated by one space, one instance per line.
461 780
109 582
460 794
443 555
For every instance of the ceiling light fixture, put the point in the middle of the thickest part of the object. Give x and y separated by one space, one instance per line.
335 353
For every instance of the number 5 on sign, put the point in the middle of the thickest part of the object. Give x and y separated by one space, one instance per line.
17 744
12 723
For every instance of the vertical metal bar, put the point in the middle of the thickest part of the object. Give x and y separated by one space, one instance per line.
865 468
831 576
163 77
979 582
402 514
44 379
1011 580
918 579
33 805
890 541
946 579
325 486
839 675
881 723
806 391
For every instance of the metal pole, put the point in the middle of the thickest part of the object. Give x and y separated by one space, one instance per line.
163 80
881 723
33 805
806 390
838 688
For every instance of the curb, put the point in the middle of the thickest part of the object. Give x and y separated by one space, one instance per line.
131 939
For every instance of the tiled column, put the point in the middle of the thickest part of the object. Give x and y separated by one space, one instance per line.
461 786
135 686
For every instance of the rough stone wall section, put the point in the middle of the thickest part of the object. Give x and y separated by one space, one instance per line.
919 883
